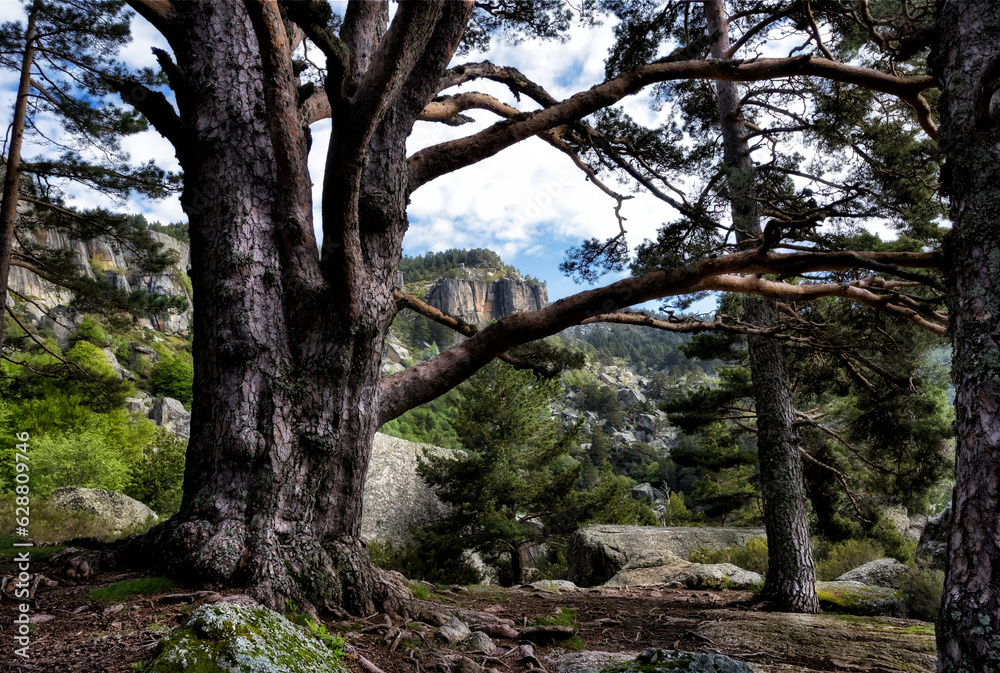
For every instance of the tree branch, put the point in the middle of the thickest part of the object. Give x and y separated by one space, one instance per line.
432 162
430 379
160 13
293 201
397 54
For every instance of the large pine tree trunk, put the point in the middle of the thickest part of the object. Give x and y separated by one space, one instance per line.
967 64
791 577
286 368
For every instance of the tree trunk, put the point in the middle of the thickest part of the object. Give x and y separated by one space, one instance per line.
791 577
967 67
12 178
286 370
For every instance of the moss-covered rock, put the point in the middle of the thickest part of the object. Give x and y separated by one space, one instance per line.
860 599
228 638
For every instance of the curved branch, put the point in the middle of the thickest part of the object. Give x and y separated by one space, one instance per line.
443 158
161 13
436 376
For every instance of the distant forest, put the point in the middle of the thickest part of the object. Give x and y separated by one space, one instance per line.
434 265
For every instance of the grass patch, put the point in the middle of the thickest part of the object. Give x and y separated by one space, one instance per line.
122 590
753 557
8 549
333 641
563 617
420 591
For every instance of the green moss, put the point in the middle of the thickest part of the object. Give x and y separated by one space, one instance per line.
859 599
121 590
224 636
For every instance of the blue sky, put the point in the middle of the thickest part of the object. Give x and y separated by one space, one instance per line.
528 203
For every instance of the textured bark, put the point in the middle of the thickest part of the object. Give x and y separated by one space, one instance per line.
968 632
791 576
12 179
287 369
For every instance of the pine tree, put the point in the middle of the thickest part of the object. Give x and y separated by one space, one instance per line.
506 487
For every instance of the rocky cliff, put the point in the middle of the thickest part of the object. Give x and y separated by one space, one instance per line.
109 258
480 301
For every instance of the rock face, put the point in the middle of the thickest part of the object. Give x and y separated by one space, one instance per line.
103 257
933 544
478 301
225 636
395 497
597 553
885 572
170 413
119 511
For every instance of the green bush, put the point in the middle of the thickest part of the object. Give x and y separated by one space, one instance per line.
433 559
173 377
832 561
157 478
98 454
924 592
90 330
753 557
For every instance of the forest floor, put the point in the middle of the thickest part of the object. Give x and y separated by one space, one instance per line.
76 632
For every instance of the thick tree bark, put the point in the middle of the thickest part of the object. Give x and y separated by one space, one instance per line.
287 366
12 178
791 577
967 64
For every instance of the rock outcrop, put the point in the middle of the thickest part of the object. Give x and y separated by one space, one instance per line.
396 499
933 545
479 301
884 572
102 257
119 512
856 598
668 569
597 553
172 415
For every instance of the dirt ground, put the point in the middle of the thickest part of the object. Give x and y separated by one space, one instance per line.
74 634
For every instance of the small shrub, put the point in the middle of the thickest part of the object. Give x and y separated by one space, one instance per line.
432 559
835 560
122 590
157 479
90 330
924 592
173 377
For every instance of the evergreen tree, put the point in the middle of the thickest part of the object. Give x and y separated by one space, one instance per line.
505 489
